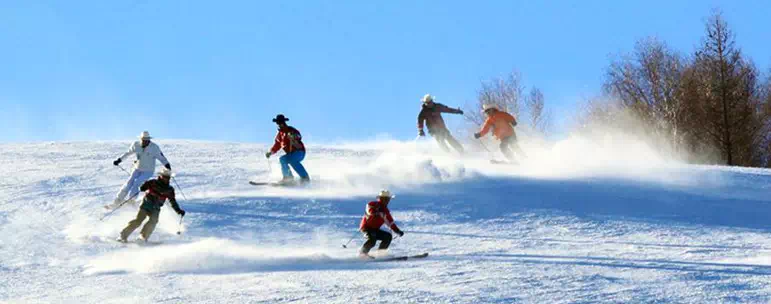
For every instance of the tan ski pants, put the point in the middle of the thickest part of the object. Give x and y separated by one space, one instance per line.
148 228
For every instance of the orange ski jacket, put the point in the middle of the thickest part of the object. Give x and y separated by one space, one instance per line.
502 124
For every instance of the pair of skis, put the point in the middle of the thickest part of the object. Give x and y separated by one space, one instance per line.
275 184
399 258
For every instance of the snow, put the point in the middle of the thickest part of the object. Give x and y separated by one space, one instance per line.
580 221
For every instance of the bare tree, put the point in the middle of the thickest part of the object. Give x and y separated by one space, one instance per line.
507 93
647 83
728 96
540 118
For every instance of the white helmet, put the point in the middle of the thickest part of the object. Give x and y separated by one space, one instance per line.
385 193
489 106
165 172
427 98
145 135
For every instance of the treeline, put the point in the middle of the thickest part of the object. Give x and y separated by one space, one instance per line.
712 104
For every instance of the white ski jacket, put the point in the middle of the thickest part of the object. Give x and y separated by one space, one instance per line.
145 156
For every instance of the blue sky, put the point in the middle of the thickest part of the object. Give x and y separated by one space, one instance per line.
341 70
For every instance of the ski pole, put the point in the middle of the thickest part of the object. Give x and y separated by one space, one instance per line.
180 188
179 228
349 241
118 207
124 170
484 146
270 168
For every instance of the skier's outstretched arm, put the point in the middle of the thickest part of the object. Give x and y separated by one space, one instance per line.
446 109
132 149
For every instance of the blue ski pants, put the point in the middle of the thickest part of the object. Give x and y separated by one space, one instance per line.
293 159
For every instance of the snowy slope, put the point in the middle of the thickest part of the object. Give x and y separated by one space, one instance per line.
579 222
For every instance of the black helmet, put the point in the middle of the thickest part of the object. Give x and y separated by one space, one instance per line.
280 118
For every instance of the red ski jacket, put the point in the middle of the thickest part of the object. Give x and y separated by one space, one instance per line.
377 215
289 139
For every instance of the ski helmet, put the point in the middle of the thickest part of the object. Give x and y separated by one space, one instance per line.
385 193
165 173
488 106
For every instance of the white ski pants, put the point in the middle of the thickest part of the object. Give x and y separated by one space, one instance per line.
131 187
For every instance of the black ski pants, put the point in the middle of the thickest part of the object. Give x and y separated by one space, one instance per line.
443 137
374 235
509 146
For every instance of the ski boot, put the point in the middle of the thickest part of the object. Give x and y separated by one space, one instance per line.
286 181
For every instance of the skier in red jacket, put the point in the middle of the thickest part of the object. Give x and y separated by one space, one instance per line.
377 214
290 140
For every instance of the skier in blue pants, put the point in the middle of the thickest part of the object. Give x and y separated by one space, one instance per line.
290 140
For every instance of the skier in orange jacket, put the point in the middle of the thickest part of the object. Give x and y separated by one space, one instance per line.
502 124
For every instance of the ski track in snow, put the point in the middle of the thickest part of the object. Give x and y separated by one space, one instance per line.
575 223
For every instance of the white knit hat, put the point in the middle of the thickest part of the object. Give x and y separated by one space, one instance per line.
145 135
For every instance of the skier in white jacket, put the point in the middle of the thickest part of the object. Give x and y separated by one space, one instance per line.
147 153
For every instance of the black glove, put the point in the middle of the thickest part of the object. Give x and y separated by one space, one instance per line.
399 232
168 166
477 135
181 212
116 162
421 133
460 111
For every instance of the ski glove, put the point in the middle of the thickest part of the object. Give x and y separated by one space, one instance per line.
181 212
421 133
268 154
460 111
477 135
168 166
399 232
117 161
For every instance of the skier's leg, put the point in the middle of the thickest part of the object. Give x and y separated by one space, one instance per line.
133 224
371 240
515 146
141 178
441 140
127 186
149 227
454 143
385 239
295 160
506 148
284 160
